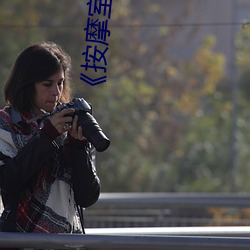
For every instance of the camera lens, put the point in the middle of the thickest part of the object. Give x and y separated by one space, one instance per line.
92 131
100 141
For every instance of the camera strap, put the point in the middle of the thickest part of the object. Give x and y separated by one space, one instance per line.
80 213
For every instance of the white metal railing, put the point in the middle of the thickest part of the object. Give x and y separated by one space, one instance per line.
153 238
132 241
174 231
177 199
168 210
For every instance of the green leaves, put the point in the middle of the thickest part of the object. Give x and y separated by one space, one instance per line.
168 120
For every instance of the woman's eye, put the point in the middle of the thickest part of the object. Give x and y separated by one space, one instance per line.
47 84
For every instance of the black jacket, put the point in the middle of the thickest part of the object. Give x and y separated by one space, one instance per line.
17 172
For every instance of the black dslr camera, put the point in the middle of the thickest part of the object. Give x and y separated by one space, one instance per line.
90 127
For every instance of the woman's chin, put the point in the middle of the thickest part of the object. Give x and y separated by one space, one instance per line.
49 108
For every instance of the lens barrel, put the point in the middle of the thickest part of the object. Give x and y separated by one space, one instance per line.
92 131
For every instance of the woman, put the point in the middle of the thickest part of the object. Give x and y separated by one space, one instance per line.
46 165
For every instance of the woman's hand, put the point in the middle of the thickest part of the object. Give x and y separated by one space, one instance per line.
76 131
61 122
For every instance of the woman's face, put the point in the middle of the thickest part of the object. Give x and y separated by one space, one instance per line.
48 93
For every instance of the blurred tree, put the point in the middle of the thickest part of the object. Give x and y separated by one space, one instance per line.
168 121
18 20
163 112
243 136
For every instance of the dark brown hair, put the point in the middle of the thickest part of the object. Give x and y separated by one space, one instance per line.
34 64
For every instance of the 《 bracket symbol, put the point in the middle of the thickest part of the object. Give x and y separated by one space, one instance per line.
91 81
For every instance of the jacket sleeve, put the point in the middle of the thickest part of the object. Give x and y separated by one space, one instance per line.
17 171
86 184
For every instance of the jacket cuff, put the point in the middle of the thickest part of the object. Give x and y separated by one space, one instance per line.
75 143
50 130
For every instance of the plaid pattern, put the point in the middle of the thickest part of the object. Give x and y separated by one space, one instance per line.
33 212
34 216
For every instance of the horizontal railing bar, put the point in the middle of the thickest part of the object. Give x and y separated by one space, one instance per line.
118 242
175 199
130 211
230 231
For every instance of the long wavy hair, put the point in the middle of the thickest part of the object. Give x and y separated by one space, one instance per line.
34 64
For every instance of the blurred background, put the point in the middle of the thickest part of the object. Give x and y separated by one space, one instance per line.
176 102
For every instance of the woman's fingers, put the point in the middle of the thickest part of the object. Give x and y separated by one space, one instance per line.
62 120
76 131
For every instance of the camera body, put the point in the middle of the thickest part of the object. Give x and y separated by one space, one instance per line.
90 127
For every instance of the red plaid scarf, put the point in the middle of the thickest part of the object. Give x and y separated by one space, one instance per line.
32 213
